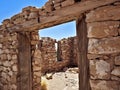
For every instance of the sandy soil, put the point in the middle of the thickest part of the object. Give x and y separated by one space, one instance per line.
67 80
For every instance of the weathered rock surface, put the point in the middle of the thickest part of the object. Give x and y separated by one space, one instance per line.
100 69
103 29
104 85
68 2
104 46
116 71
104 13
117 60
119 31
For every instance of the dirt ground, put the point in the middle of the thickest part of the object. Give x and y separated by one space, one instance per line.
67 80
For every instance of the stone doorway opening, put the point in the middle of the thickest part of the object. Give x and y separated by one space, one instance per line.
59 53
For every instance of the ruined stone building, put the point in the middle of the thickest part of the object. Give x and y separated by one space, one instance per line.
56 58
98 44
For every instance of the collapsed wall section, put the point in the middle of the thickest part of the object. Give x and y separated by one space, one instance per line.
104 47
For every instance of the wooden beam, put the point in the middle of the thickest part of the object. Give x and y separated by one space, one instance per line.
62 15
24 62
83 62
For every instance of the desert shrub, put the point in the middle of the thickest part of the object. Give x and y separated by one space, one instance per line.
43 84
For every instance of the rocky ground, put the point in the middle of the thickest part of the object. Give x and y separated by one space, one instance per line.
67 80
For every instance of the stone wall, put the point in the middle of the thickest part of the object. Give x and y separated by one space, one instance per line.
103 22
9 30
55 58
68 50
8 59
104 47
36 61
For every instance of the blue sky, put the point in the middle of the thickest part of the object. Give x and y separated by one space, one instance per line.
8 8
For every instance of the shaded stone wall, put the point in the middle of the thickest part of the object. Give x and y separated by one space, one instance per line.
36 61
68 49
55 58
8 59
104 47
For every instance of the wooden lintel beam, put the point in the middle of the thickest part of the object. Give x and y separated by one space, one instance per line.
63 15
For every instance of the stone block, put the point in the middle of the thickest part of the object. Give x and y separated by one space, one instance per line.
38 74
6 21
18 18
1 51
3 57
97 56
29 8
9 57
49 8
1 36
119 31
38 80
14 57
104 13
58 7
15 68
42 12
57 1
48 3
103 29
117 3
34 42
104 46
57 4
116 71
36 68
67 3
37 61
13 79
10 73
115 78
117 60
0 45
104 85
33 15
14 87
14 37
37 54
7 64
99 69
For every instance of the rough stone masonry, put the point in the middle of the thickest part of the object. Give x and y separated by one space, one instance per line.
103 33
56 58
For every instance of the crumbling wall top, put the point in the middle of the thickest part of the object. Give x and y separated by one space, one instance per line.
52 13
